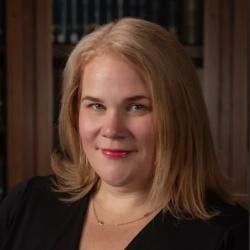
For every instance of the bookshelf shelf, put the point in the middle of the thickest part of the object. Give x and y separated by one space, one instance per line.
34 69
63 51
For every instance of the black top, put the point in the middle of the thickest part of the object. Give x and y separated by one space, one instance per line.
33 218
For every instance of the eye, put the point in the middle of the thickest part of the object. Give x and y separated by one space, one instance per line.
96 106
137 107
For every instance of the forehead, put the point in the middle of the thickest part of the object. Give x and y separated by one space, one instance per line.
109 73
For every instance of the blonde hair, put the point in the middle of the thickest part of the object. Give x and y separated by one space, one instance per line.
186 169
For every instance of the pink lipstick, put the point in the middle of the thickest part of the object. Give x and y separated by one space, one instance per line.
115 153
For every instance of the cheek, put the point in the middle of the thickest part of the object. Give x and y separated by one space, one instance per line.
145 134
86 128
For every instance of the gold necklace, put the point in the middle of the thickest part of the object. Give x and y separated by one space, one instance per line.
101 222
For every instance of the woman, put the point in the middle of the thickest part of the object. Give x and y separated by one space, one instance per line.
136 167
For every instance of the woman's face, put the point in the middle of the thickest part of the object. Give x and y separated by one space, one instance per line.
116 123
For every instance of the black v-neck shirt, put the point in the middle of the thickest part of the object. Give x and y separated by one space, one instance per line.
33 218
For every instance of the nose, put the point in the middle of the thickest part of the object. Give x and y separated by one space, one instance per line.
114 126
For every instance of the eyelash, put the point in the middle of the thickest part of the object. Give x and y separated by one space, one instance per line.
131 108
140 106
96 106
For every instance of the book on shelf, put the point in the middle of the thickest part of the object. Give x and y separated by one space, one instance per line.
133 8
171 8
76 18
191 22
88 16
120 8
142 9
60 21
74 22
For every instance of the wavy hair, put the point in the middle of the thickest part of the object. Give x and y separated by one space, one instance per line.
186 168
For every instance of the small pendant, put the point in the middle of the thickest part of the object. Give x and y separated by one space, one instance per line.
101 223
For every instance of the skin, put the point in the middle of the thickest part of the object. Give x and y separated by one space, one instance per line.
116 114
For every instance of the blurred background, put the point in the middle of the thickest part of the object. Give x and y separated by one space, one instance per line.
36 37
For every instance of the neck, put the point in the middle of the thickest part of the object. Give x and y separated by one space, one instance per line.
122 199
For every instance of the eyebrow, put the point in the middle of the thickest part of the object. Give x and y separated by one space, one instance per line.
128 99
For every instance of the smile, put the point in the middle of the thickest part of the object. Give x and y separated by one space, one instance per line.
115 153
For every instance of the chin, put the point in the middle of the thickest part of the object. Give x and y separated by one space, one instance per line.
115 180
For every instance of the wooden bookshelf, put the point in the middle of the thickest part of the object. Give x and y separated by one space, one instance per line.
30 66
2 105
29 88
61 52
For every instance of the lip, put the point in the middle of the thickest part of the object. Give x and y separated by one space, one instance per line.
115 153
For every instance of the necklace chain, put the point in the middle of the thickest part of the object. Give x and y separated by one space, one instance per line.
101 222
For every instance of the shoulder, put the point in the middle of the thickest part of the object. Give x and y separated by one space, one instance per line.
34 186
23 195
40 183
27 191
33 214
232 223
228 230
230 214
